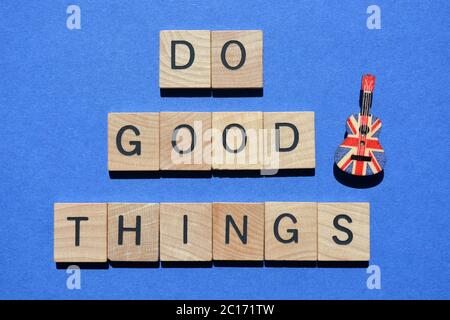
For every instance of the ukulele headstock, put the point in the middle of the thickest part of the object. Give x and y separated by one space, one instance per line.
367 83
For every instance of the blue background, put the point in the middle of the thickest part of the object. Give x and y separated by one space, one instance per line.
57 87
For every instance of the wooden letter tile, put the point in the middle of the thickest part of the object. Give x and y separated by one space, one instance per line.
80 233
344 231
133 232
186 231
237 140
185 59
185 141
133 141
289 140
238 231
291 231
237 59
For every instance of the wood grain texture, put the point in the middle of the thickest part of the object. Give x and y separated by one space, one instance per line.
253 249
184 157
196 245
92 245
250 156
198 75
304 247
148 248
303 156
147 123
359 247
250 74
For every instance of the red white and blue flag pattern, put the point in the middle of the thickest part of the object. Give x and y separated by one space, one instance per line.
352 145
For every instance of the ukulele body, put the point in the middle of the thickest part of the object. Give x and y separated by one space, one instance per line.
359 154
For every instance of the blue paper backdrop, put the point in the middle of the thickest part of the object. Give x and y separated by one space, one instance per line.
57 87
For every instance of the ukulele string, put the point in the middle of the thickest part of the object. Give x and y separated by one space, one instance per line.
361 131
361 121
366 124
364 120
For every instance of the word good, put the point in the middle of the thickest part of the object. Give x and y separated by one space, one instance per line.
211 59
277 231
211 141
361 153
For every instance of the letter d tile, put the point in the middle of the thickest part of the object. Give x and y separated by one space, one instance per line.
185 59
289 140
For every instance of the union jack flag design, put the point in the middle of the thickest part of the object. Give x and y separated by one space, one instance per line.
370 157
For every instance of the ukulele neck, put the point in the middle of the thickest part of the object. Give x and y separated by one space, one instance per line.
367 86
365 102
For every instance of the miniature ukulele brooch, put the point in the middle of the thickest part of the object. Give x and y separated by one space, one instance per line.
360 154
